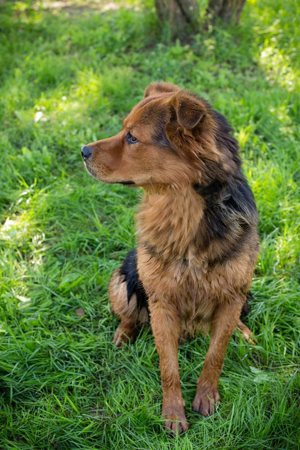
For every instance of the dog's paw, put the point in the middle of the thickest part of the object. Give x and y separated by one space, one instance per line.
206 399
175 420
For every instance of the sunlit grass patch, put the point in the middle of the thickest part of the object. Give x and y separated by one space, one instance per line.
277 67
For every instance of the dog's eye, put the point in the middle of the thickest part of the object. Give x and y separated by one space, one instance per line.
130 139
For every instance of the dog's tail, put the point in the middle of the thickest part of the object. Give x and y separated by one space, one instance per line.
246 332
247 306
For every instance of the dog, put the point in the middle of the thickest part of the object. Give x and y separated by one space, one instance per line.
197 239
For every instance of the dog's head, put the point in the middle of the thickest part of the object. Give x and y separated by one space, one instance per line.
171 137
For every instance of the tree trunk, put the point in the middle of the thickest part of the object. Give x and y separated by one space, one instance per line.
181 16
228 11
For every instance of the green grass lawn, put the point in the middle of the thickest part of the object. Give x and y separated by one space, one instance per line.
67 77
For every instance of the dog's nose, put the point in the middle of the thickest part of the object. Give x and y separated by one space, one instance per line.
86 152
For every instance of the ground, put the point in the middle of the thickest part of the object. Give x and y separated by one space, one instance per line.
69 73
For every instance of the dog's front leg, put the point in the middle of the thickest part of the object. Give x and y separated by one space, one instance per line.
166 329
224 321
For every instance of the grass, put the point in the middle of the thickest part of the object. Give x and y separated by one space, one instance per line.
67 77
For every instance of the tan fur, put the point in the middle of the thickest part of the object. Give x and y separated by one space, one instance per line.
187 293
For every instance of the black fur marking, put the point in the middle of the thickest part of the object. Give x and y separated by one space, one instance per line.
126 183
240 198
133 283
209 189
228 206
230 209
231 251
224 137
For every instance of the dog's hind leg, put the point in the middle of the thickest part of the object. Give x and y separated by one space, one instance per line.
128 300
124 309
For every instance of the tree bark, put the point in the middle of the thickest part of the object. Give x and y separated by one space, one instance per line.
181 16
229 11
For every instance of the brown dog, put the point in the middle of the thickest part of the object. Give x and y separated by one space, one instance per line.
197 234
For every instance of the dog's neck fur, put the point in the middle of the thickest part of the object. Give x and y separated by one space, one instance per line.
159 225
207 222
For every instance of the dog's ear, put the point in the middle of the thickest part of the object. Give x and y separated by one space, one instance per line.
189 110
160 88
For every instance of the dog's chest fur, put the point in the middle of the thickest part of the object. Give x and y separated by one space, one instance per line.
174 270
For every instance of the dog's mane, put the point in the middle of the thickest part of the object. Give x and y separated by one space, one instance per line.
230 211
224 137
